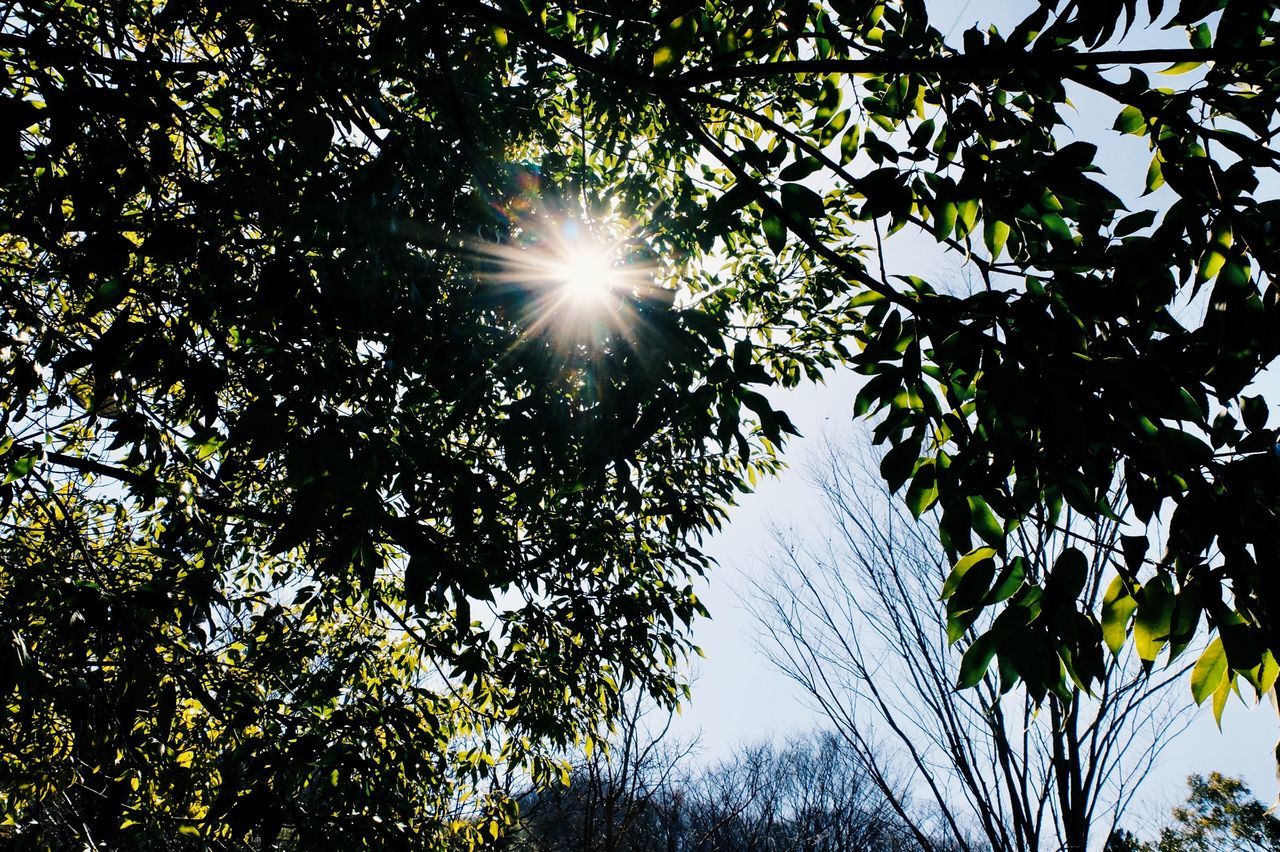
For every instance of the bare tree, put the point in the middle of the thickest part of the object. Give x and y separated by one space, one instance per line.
813 794
855 620
623 798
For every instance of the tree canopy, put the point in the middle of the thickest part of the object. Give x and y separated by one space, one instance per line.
309 518
323 504
1220 813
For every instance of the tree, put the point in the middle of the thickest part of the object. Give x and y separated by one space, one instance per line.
621 796
853 620
1068 373
1220 813
811 794
645 794
320 513
294 387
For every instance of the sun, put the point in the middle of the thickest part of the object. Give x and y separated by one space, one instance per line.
582 279
587 272
570 265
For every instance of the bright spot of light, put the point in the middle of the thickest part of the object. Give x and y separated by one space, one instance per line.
581 280
587 272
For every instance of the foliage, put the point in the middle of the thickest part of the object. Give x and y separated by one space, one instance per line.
1113 346
1112 342
1220 813
288 451
1122 841
312 525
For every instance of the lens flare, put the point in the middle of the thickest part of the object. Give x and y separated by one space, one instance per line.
588 274
581 284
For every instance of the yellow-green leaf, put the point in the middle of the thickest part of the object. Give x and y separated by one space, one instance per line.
944 219
1155 174
1215 256
962 567
1117 608
1220 699
995 233
1209 671
968 211
923 491
985 523
849 143
1263 675
1152 621
1130 120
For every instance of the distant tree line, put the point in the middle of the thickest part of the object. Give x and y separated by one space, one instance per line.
812 793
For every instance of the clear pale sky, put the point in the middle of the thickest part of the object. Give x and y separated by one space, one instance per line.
738 698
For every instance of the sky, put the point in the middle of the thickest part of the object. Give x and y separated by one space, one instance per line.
737 697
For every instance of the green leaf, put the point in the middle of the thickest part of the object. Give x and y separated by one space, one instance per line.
899 463
959 622
968 216
1264 676
1135 222
800 169
1234 275
828 102
110 294
1130 120
20 468
1056 227
1011 578
963 566
995 234
1201 36
1209 672
665 57
923 491
1220 698
775 232
972 588
1241 641
801 202
1153 620
849 143
976 661
1117 608
1155 174
944 219
1211 263
985 522
675 41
